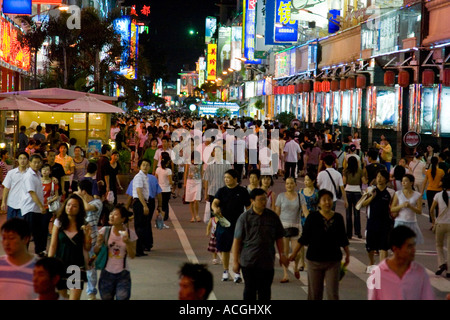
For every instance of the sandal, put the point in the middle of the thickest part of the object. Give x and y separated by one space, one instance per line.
297 274
192 220
284 280
198 219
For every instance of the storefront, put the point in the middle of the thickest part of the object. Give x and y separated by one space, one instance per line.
88 126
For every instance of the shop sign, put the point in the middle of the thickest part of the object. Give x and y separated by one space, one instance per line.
411 139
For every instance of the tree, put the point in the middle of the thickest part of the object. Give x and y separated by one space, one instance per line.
285 118
223 112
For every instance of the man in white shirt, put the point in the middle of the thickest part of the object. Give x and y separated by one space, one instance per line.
292 153
13 184
329 178
141 209
32 206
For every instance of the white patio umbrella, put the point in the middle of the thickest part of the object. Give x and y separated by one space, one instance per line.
88 104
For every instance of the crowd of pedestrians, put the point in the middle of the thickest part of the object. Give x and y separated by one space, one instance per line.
246 222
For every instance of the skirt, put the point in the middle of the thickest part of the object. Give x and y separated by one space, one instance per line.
212 244
193 190
414 227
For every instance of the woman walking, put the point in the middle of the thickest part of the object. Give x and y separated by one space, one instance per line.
432 183
353 178
406 205
288 208
193 185
324 234
441 225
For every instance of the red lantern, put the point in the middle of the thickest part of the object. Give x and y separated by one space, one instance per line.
403 78
326 86
334 85
446 78
317 86
343 84
428 77
389 78
361 82
350 83
299 87
307 86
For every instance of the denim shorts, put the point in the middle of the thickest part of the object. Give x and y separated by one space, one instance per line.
116 285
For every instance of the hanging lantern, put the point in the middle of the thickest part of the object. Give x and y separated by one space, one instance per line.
446 78
361 82
334 85
403 78
428 77
299 87
317 86
389 78
350 83
326 86
306 86
343 85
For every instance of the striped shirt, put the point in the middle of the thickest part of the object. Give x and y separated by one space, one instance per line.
16 282
214 176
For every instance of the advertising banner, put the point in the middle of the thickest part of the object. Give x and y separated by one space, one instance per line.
210 28
17 6
281 28
236 47
223 49
249 30
11 51
212 62
122 26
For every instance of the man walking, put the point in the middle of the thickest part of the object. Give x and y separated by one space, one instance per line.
331 179
257 230
13 184
292 153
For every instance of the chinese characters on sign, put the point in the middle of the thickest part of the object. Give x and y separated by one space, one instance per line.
288 32
11 50
250 31
212 62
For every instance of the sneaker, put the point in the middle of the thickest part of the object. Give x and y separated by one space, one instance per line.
225 276
91 296
237 278
166 226
215 261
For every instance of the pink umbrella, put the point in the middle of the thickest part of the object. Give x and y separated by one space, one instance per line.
19 103
88 104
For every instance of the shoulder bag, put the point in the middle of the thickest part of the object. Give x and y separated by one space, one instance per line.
338 190
55 205
102 255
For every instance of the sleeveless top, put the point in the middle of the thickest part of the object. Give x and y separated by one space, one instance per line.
407 214
70 250
312 201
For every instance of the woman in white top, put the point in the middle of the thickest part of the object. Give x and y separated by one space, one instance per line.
164 176
441 225
417 167
288 208
406 205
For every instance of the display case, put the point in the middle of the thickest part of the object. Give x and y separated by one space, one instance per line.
327 107
345 108
428 109
300 107
444 114
386 107
336 106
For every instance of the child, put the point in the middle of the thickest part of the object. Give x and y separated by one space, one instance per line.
210 231
49 194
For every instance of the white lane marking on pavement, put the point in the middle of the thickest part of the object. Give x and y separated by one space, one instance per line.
185 243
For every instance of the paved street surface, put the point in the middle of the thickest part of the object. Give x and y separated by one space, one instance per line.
154 277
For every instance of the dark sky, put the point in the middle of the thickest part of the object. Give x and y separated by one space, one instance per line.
169 24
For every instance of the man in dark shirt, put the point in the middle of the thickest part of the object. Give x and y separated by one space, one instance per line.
120 139
374 167
57 170
229 202
104 170
38 135
23 139
257 231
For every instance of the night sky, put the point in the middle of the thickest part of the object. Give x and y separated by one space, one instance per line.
169 41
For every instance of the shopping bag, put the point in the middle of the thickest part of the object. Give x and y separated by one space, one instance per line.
207 214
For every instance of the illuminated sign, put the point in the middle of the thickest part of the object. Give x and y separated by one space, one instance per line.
236 45
210 28
212 62
281 27
129 39
54 2
17 6
223 49
289 29
11 50
249 29
207 107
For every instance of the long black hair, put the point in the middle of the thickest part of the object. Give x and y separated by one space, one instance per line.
445 188
352 165
434 164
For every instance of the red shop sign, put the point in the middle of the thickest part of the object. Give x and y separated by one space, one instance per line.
411 139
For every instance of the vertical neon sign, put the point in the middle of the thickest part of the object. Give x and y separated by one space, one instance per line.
249 30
